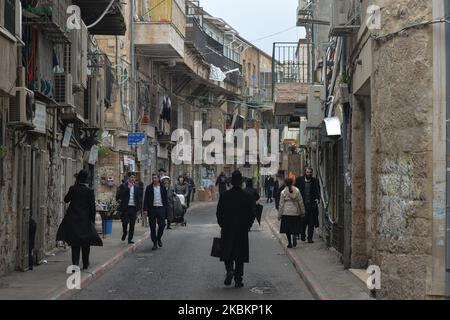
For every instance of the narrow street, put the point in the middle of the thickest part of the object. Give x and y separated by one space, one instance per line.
183 268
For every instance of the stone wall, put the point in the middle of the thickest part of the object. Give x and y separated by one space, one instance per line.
402 107
8 212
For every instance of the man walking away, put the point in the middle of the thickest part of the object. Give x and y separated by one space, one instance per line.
310 190
155 206
130 205
222 183
278 188
270 186
235 215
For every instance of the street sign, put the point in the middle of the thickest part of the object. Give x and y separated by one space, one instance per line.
136 139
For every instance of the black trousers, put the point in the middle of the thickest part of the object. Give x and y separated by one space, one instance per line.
76 255
188 200
157 215
308 223
129 218
236 267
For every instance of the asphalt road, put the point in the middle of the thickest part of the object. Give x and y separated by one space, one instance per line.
184 270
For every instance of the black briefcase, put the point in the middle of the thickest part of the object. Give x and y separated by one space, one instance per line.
216 250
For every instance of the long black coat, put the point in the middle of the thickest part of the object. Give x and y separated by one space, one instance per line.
78 225
312 211
235 214
277 190
124 197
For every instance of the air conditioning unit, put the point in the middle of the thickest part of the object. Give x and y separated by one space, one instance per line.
94 101
63 89
340 23
20 107
75 57
315 111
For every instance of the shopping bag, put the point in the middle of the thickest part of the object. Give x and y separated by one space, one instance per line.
216 250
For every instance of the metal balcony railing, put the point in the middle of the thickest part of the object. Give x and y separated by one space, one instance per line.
290 62
212 51
50 16
162 11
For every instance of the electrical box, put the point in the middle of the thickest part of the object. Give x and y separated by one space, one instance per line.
316 99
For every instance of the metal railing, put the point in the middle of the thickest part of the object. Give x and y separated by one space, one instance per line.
290 62
161 11
212 51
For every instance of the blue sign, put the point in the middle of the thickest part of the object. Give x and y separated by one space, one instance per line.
136 139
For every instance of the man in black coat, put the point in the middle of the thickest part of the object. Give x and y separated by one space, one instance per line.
310 190
155 206
130 204
278 188
235 215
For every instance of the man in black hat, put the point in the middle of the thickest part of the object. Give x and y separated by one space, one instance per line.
235 214
162 173
279 186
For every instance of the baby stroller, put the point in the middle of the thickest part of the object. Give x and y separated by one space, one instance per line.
180 209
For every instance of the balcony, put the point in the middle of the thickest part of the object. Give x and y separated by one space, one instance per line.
212 51
161 28
50 16
291 78
112 24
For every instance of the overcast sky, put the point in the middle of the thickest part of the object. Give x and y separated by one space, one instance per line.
255 19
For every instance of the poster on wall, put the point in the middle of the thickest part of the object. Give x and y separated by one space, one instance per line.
93 155
40 117
67 136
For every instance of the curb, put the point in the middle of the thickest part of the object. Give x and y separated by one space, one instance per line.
101 270
307 276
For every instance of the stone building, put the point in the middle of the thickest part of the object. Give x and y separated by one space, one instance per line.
53 98
382 76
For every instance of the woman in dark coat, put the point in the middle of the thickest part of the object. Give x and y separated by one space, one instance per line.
78 225
235 215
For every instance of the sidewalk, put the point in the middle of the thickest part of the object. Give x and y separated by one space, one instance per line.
48 281
319 267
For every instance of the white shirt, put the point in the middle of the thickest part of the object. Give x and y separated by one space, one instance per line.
131 202
157 201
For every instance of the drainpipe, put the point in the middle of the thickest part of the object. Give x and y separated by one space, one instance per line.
447 54
133 68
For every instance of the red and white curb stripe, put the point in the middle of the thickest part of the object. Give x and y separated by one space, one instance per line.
99 271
